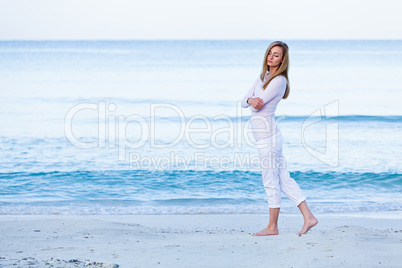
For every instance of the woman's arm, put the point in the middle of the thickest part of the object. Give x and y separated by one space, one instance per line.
249 94
275 88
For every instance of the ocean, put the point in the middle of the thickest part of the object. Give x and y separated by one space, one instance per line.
156 127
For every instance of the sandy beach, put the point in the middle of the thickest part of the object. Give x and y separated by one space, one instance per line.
196 241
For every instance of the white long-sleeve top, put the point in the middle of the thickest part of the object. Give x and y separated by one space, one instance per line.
262 120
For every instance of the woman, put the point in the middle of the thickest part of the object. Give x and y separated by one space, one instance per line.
269 88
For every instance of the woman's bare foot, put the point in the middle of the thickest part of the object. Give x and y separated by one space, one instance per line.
267 231
308 224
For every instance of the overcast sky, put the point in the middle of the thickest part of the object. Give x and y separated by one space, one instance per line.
203 19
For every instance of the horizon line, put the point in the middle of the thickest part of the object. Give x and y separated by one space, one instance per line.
287 39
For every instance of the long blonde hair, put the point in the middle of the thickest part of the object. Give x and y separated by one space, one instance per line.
283 68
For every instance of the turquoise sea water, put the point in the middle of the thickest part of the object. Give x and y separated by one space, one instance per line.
155 127
190 191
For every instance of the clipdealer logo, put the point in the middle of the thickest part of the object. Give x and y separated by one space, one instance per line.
112 128
115 130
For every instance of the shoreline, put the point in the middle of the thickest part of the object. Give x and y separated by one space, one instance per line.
213 240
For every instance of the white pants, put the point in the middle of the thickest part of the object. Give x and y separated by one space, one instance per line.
275 176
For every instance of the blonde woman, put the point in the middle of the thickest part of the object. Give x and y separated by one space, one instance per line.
270 87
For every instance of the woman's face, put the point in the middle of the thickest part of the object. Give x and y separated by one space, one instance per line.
275 56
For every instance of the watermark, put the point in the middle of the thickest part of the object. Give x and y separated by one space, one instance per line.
203 161
329 154
165 127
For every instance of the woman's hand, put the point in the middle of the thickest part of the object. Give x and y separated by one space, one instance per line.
256 103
